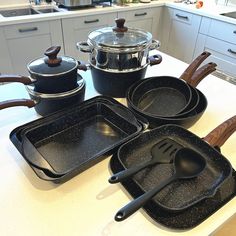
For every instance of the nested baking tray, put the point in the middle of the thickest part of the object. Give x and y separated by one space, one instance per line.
185 219
74 139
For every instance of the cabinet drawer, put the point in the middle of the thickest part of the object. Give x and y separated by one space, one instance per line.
222 47
227 31
27 29
182 16
137 14
93 21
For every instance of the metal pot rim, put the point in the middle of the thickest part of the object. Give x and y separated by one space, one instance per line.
119 71
30 90
124 49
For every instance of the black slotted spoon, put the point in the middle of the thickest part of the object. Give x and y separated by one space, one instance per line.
162 152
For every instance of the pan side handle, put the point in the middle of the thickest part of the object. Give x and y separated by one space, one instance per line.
17 102
16 78
221 133
187 74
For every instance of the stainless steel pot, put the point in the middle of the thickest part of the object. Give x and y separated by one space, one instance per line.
119 56
119 48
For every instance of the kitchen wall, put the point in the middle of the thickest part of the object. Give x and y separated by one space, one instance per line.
227 2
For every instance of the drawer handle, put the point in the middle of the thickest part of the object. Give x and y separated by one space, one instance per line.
28 29
182 17
232 51
91 21
140 14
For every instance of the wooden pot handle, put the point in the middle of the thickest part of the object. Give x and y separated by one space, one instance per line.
187 74
16 78
221 133
17 102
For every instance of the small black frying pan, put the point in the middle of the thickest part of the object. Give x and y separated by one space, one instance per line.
167 96
182 194
153 96
186 120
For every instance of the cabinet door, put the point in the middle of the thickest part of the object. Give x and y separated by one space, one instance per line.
77 30
29 41
5 60
182 34
146 19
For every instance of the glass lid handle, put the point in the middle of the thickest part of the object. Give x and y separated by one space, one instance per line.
52 59
120 28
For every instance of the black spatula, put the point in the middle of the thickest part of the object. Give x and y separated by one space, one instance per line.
162 152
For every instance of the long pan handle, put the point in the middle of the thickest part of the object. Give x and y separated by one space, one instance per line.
201 73
16 78
221 133
17 102
187 74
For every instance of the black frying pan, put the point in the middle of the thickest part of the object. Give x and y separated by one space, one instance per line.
185 193
182 120
167 96
150 98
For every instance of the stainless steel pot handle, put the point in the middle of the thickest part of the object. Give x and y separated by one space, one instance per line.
154 45
84 47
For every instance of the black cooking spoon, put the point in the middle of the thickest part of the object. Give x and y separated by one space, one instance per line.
187 164
162 152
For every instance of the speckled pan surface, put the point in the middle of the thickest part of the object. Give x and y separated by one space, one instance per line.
180 194
188 218
74 139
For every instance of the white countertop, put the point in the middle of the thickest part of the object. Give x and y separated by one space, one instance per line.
209 9
86 204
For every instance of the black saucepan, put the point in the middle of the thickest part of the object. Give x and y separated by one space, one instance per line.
48 103
50 74
182 194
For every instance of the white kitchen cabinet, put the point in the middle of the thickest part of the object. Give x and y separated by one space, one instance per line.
77 30
28 41
221 43
179 33
5 60
147 19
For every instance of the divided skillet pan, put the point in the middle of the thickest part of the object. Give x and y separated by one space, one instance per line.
181 194
180 220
